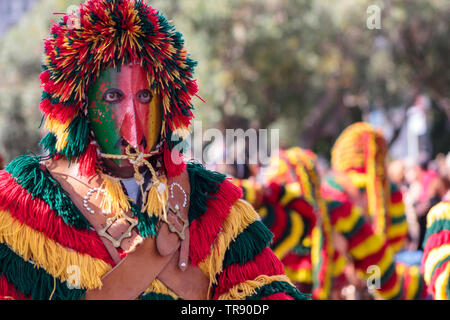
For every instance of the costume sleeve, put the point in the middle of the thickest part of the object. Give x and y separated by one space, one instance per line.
436 256
250 269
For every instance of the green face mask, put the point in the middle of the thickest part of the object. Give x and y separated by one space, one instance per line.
124 111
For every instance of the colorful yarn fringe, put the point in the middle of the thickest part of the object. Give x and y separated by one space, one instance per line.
359 154
367 248
230 244
112 33
291 207
436 256
37 246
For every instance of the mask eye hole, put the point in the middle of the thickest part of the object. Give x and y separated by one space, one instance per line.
113 96
144 96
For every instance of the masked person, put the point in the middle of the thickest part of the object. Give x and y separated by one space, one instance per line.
369 213
113 212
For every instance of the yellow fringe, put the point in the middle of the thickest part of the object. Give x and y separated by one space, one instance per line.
441 284
302 275
292 240
369 246
50 255
249 287
59 130
433 258
241 215
441 211
114 201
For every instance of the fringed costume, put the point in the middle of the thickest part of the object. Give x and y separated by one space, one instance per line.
291 207
373 235
51 246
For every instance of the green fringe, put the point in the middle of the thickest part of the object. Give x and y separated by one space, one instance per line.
157 296
248 244
436 227
146 225
34 281
331 180
301 250
333 205
317 268
27 172
279 287
203 183
78 138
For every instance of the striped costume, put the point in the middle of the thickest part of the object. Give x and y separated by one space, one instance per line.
373 235
436 256
290 206
46 243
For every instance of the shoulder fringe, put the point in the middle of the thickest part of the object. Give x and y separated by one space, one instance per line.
240 217
250 287
51 256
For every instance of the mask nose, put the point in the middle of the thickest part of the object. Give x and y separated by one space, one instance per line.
131 129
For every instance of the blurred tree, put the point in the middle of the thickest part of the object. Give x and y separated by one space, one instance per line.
313 67
20 66
309 68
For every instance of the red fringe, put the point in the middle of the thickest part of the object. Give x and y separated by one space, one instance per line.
330 193
306 211
272 193
204 231
343 211
406 281
364 232
396 197
280 223
265 263
87 161
296 262
397 239
59 112
434 241
8 292
435 275
371 260
44 77
389 284
36 214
